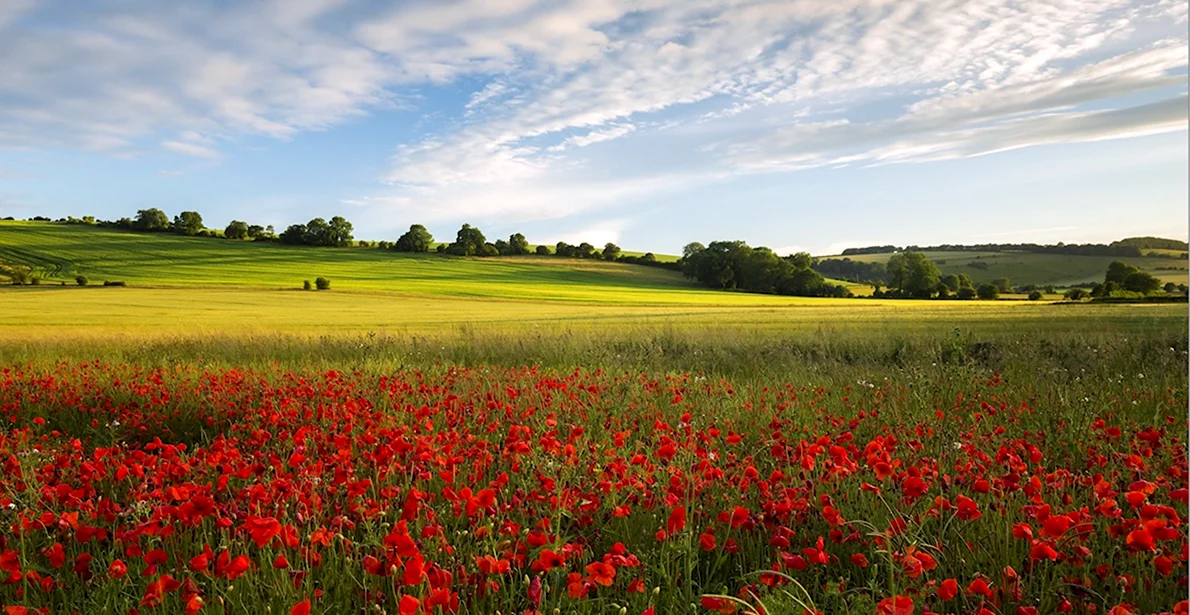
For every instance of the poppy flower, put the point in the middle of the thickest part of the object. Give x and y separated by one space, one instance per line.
896 605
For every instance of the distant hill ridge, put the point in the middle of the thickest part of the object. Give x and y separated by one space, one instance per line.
1132 246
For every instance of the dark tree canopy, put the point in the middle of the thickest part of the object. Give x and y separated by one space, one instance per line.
236 229
1141 282
188 223
736 265
912 274
1117 271
469 241
416 239
151 219
611 251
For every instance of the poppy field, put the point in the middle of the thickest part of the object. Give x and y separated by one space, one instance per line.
1048 483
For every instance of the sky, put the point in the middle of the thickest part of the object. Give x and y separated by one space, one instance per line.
797 124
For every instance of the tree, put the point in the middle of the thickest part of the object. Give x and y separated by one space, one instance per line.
517 245
988 291
256 230
1141 282
236 229
295 234
913 274
584 250
610 251
965 293
416 239
542 250
81 280
1003 284
338 232
564 249
1035 295
502 247
469 241
152 219
1117 271
188 223
950 281
1170 288
322 283
1075 294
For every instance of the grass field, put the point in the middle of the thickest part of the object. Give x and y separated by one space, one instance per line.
1023 268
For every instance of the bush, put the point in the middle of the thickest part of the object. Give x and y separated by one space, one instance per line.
114 283
81 280
1035 295
307 286
542 250
988 291
322 283
1076 294
965 292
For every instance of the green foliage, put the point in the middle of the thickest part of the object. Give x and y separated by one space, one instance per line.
469 241
1141 282
735 265
120 283
1035 296
1152 243
1076 294
236 229
966 293
1117 271
188 223
912 274
81 280
517 245
306 285
988 291
611 251
417 239
1003 284
322 283
151 219
542 250
319 232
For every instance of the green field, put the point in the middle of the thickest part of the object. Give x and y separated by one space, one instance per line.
1022 268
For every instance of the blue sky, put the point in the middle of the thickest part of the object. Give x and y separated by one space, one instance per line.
797 124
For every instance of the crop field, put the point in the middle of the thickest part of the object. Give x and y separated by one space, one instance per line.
1043 269
530 436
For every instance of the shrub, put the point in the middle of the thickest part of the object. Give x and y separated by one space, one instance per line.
1076 294
1035 295
542 250
965 292
306 285
114 283
322 283
81 280
988 291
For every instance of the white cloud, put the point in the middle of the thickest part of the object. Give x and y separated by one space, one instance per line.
674 92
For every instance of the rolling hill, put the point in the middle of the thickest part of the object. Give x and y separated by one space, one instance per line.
1022 268
59 252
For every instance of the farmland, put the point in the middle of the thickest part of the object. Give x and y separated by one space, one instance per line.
1044 269
540 435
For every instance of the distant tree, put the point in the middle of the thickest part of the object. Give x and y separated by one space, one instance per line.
1141 282
81 280
517 245
489 249
322 283
151 219
1035 295
564 249
950 281
1117 271
1075 294
988 291
965 293
584 250
338 233
648 258
256 230
1171 288
306 285
469 241
501 247
1003 284
295 234
913 274
611 251
236 229
416 239
188 223
542 250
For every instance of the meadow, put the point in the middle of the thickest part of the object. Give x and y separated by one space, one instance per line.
1024 268
532 436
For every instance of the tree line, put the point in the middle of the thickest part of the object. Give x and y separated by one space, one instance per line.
734 265
1075 249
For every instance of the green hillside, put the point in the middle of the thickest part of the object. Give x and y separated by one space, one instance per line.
1023 268
59 252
